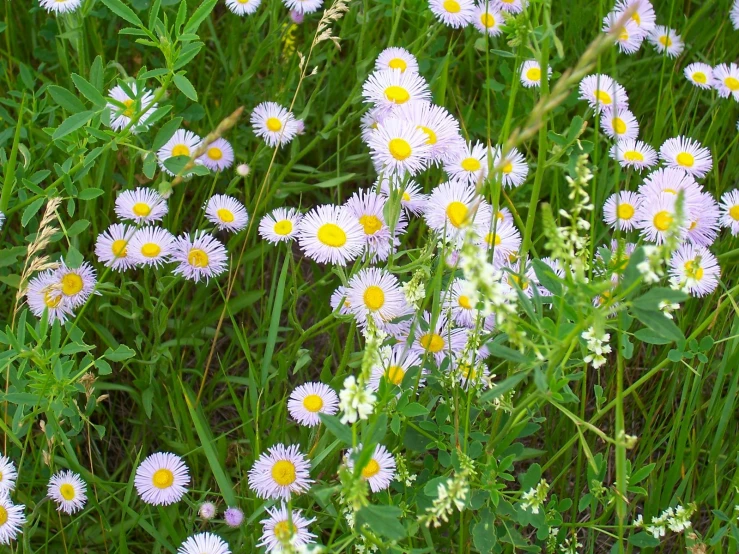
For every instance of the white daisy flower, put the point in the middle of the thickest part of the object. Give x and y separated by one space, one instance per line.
694 268
457 301
453 13
619 124
218 156
454 207
68 490
644 15
183 143
375 293
331 234
510 6
438 125
393 366
438 341
142 205
201 257
274 124
531 73
619 210
204 543
399 147
503 238
370 120
129 103
379 470
2 220
700 74
60 7
162 479
390 88
151 246
634 153
666 41
280 225
283 527
514 169
487 19
111 247
44 293
628 35
311 399
77 284
703 221
12 519
243 7
340 300
602 92
8 475
726 80
396 58
280 472
734 15
730 211
671 181
367 208
303 6
226 213
516 278
468 164
657 216
412 198
687 154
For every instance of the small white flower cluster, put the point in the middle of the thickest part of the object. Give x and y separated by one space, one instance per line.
356 401
576 243
651 268
414 290
450 494
597 345
534 498
675 519
668 307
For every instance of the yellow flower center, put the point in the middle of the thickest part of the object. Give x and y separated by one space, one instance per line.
181 150
534 74
225 215
162 478
619 125
493 239
456 211
430 135
284 530
151 249
452 6
468 372
400 149
662 220
515 279
471 164
636 18
665 41
371 469
624 35
603 97
464 302
52 300
198 258
371 224
700 77
71 284
633 156
3 516
397 94
129 103
67 491
670 191
119 248
283 472
274 124
734 212
374 297
432 342
693 270
332 235
313 403
507 168
395 374
406 197
141 209
732 83
398 63
487 20
215 153
685 159
284 227
625 211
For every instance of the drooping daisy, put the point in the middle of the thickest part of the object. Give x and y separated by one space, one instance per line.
243 7
199 258
8 475
619 124
619 210
438 125
454 207
726 80
437 341
602 92
129 103
628 35
303 6
510 6
12 519
233 517
512 171
273 123
370 120
666 41
375 293
399 147
111 247
204 543
44 293
687 154
379 470
151 246
226 213
207 511
60 6
503 238
367 208
142 205
77 284
396 58
280 472
644 16
700 74
68 490
183 143
730 211
339 301
392 87
162 479
487 19
284 527
453 13
393 366
468 164
280 225
634 153
694 268
657 216
703 221
307 401
531 73
412 199
218 156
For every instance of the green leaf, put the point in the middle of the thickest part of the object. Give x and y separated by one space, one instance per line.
643 540
336 428
640 474
74 257
89 194
123 11
185 86
657 322
66 99
483 533
383 520
31 211
150 165
71 124
165 133
103 367
650 337
414 409
199 16
503 387
77 227
89 91
121 353
653 297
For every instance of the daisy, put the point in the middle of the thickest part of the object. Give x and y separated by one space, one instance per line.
303 6
44 293
218 156
111 247
129 102
68 490
8 475
201 257
412 199
666 41
703 221
233 517
375 293
76 284
183 143
393 366
12 519
602 92
487 19
503 238
142 205
204 543
280 225
379 470
470 373
399 147
695 269
439 127
392 87
456 300
687 154
557 270
273 123
453 13
510 6
339 301
531 73
226 213
468 164
311 399
513 170
634 153
2 219
516 279
396 58
280 472
734 15
726 80
657 216
284 527
243 7
618 254
207 511
438 341
730 211
619 124
151 246
644 15
368 210
700 74
162 479
619 210
370 120
454 207
671 182
60 6
331 234
628 35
